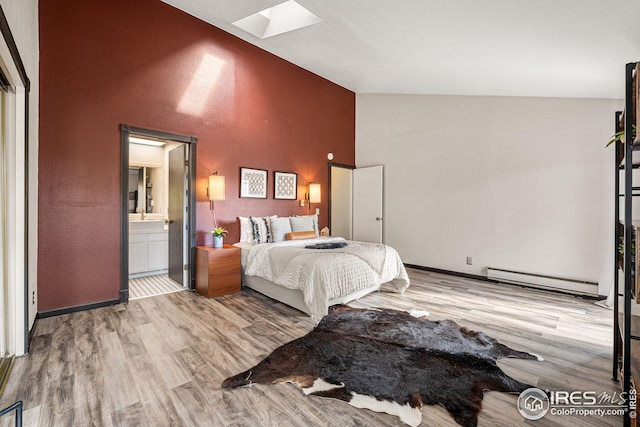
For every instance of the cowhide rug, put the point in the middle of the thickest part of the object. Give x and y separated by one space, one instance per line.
390 361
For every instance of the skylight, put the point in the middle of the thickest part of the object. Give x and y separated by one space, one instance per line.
281 18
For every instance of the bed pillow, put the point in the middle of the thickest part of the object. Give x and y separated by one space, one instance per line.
300 235
302 223
280 227
314 218
246 229
262 228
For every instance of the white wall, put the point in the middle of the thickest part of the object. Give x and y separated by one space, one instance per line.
146 155
23 20
516 183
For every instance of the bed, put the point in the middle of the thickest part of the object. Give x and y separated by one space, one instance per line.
311 280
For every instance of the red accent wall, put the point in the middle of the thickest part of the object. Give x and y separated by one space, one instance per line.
107 62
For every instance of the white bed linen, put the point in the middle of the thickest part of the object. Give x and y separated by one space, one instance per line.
324 274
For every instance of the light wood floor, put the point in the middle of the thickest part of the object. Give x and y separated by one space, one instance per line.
160 361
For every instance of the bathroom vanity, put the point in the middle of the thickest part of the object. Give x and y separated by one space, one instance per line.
148 247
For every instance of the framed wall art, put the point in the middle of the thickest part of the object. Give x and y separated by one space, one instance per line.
285 185
253 183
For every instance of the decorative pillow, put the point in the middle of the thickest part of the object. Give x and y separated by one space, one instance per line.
246 229
314 217
269 219
262 228
300 235
302 223
280 227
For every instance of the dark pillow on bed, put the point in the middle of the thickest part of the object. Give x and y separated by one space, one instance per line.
334 245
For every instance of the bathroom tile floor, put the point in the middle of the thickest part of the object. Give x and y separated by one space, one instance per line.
149 286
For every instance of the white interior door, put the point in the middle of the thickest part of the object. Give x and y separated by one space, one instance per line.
367 204
5 330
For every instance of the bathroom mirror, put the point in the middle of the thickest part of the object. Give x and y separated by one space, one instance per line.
142 181
135 188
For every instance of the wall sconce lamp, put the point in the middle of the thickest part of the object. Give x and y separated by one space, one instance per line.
215 192
314 194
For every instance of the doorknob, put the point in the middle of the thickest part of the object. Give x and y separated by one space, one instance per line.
378 218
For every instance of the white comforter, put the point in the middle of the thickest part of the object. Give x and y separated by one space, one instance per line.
326 274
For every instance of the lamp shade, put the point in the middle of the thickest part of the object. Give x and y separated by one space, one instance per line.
216 187
314 192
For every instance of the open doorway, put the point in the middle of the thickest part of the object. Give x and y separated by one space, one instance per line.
341 200
158 221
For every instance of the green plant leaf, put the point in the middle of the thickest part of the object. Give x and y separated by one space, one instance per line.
219 232
617 137
620 136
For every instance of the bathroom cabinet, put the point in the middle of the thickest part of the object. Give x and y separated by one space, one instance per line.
148 252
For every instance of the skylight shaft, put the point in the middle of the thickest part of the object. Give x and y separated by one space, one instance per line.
279 19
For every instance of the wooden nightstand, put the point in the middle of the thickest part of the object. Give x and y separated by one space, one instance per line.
217 270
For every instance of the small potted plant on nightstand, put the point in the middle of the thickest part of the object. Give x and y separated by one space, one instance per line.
218 236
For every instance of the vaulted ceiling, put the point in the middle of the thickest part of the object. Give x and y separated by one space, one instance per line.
550 48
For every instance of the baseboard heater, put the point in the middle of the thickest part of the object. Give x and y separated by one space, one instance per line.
573 286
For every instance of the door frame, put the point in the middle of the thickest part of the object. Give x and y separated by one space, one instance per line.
16 77
125 131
